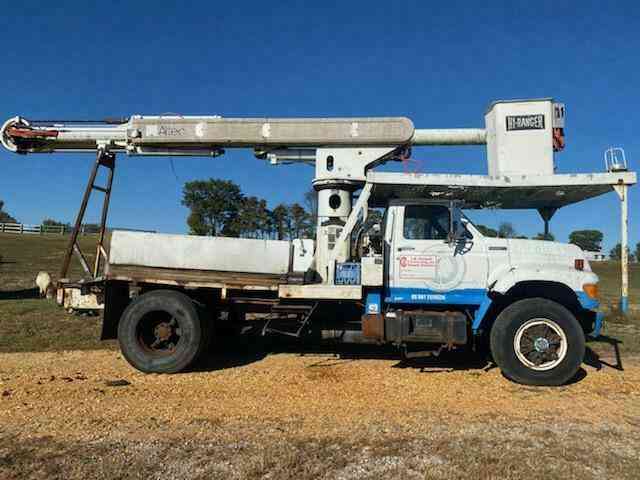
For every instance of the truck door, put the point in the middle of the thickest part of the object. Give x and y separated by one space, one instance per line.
425 267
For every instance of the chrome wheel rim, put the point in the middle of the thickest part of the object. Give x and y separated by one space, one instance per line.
159 333
540 344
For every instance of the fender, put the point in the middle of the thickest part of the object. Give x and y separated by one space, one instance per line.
569 277
504 279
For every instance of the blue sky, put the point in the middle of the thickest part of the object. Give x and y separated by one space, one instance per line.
439 63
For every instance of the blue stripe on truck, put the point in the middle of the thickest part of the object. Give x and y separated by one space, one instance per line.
469 296
465 296
474 297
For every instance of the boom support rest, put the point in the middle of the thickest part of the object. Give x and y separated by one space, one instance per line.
107 160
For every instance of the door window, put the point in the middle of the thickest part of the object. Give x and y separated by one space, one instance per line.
426 222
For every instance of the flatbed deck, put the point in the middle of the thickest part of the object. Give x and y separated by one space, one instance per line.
190 278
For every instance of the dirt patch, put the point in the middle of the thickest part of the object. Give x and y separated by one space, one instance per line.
291 416
497 450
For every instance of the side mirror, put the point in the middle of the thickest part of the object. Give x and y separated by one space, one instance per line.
456 227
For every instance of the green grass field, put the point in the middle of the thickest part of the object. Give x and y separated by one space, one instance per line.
28 323
23 256
609 273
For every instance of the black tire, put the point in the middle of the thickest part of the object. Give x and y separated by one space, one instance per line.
141 319
562 364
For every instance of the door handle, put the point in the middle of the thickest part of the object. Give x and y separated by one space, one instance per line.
404 249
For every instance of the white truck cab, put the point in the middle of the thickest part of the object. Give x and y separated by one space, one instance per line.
434 248
444 280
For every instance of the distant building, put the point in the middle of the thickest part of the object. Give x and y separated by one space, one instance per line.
595 256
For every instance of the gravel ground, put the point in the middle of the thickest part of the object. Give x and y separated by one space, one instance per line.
88 414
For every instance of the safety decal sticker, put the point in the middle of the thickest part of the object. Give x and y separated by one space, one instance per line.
417 266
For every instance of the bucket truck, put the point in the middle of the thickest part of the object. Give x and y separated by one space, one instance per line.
423 278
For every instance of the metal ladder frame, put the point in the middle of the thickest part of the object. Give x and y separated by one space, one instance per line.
105 159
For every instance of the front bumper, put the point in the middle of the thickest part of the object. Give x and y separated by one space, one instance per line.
597 325
592 318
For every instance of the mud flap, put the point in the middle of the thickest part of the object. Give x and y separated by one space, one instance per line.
116 299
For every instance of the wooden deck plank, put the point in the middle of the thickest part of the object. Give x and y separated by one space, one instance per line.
195 278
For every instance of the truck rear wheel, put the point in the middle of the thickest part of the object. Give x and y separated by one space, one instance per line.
537 342
160 332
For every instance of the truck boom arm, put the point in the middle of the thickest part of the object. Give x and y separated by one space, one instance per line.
209 135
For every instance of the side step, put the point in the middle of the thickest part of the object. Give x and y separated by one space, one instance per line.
298 316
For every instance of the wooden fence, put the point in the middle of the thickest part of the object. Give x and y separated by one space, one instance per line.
21 228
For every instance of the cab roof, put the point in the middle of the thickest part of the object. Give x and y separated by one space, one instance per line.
482 191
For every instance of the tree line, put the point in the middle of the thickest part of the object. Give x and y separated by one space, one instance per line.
220 208
507 230
88 227
588 240
4 216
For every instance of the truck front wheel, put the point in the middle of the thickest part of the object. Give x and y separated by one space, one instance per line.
537 342
160 332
